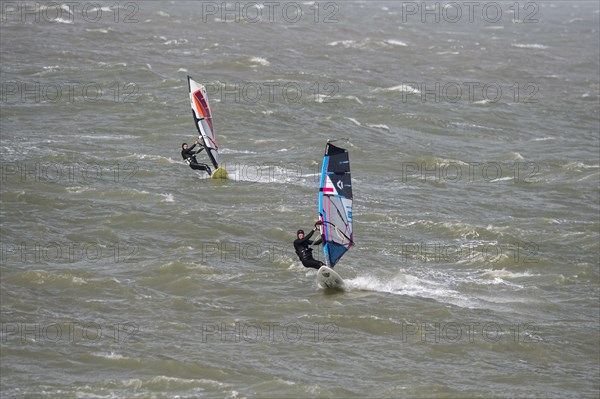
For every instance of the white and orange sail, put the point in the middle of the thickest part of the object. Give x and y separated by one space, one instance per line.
203 120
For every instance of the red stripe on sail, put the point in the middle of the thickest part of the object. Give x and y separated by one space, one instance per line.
203 107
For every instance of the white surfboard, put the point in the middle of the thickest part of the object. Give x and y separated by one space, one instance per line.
328 278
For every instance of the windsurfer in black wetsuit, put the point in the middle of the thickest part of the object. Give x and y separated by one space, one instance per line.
301 244
190 157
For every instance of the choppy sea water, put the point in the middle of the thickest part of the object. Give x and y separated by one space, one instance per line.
474 144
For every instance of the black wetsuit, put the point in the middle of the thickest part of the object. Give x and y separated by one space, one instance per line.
305 253
190 157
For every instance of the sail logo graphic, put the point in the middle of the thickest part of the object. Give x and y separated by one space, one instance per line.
340 185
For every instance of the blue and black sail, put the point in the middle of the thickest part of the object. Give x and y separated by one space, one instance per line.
335 204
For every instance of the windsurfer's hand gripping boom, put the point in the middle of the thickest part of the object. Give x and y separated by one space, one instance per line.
200 146
318 227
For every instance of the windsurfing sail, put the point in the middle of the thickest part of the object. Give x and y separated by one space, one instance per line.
203 120
335 204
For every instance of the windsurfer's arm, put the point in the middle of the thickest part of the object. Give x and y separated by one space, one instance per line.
197 142
320 240
317 242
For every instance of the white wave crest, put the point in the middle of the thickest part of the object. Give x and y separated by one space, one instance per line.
529 46
379 126
167 197
260 61
402 88
396 43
